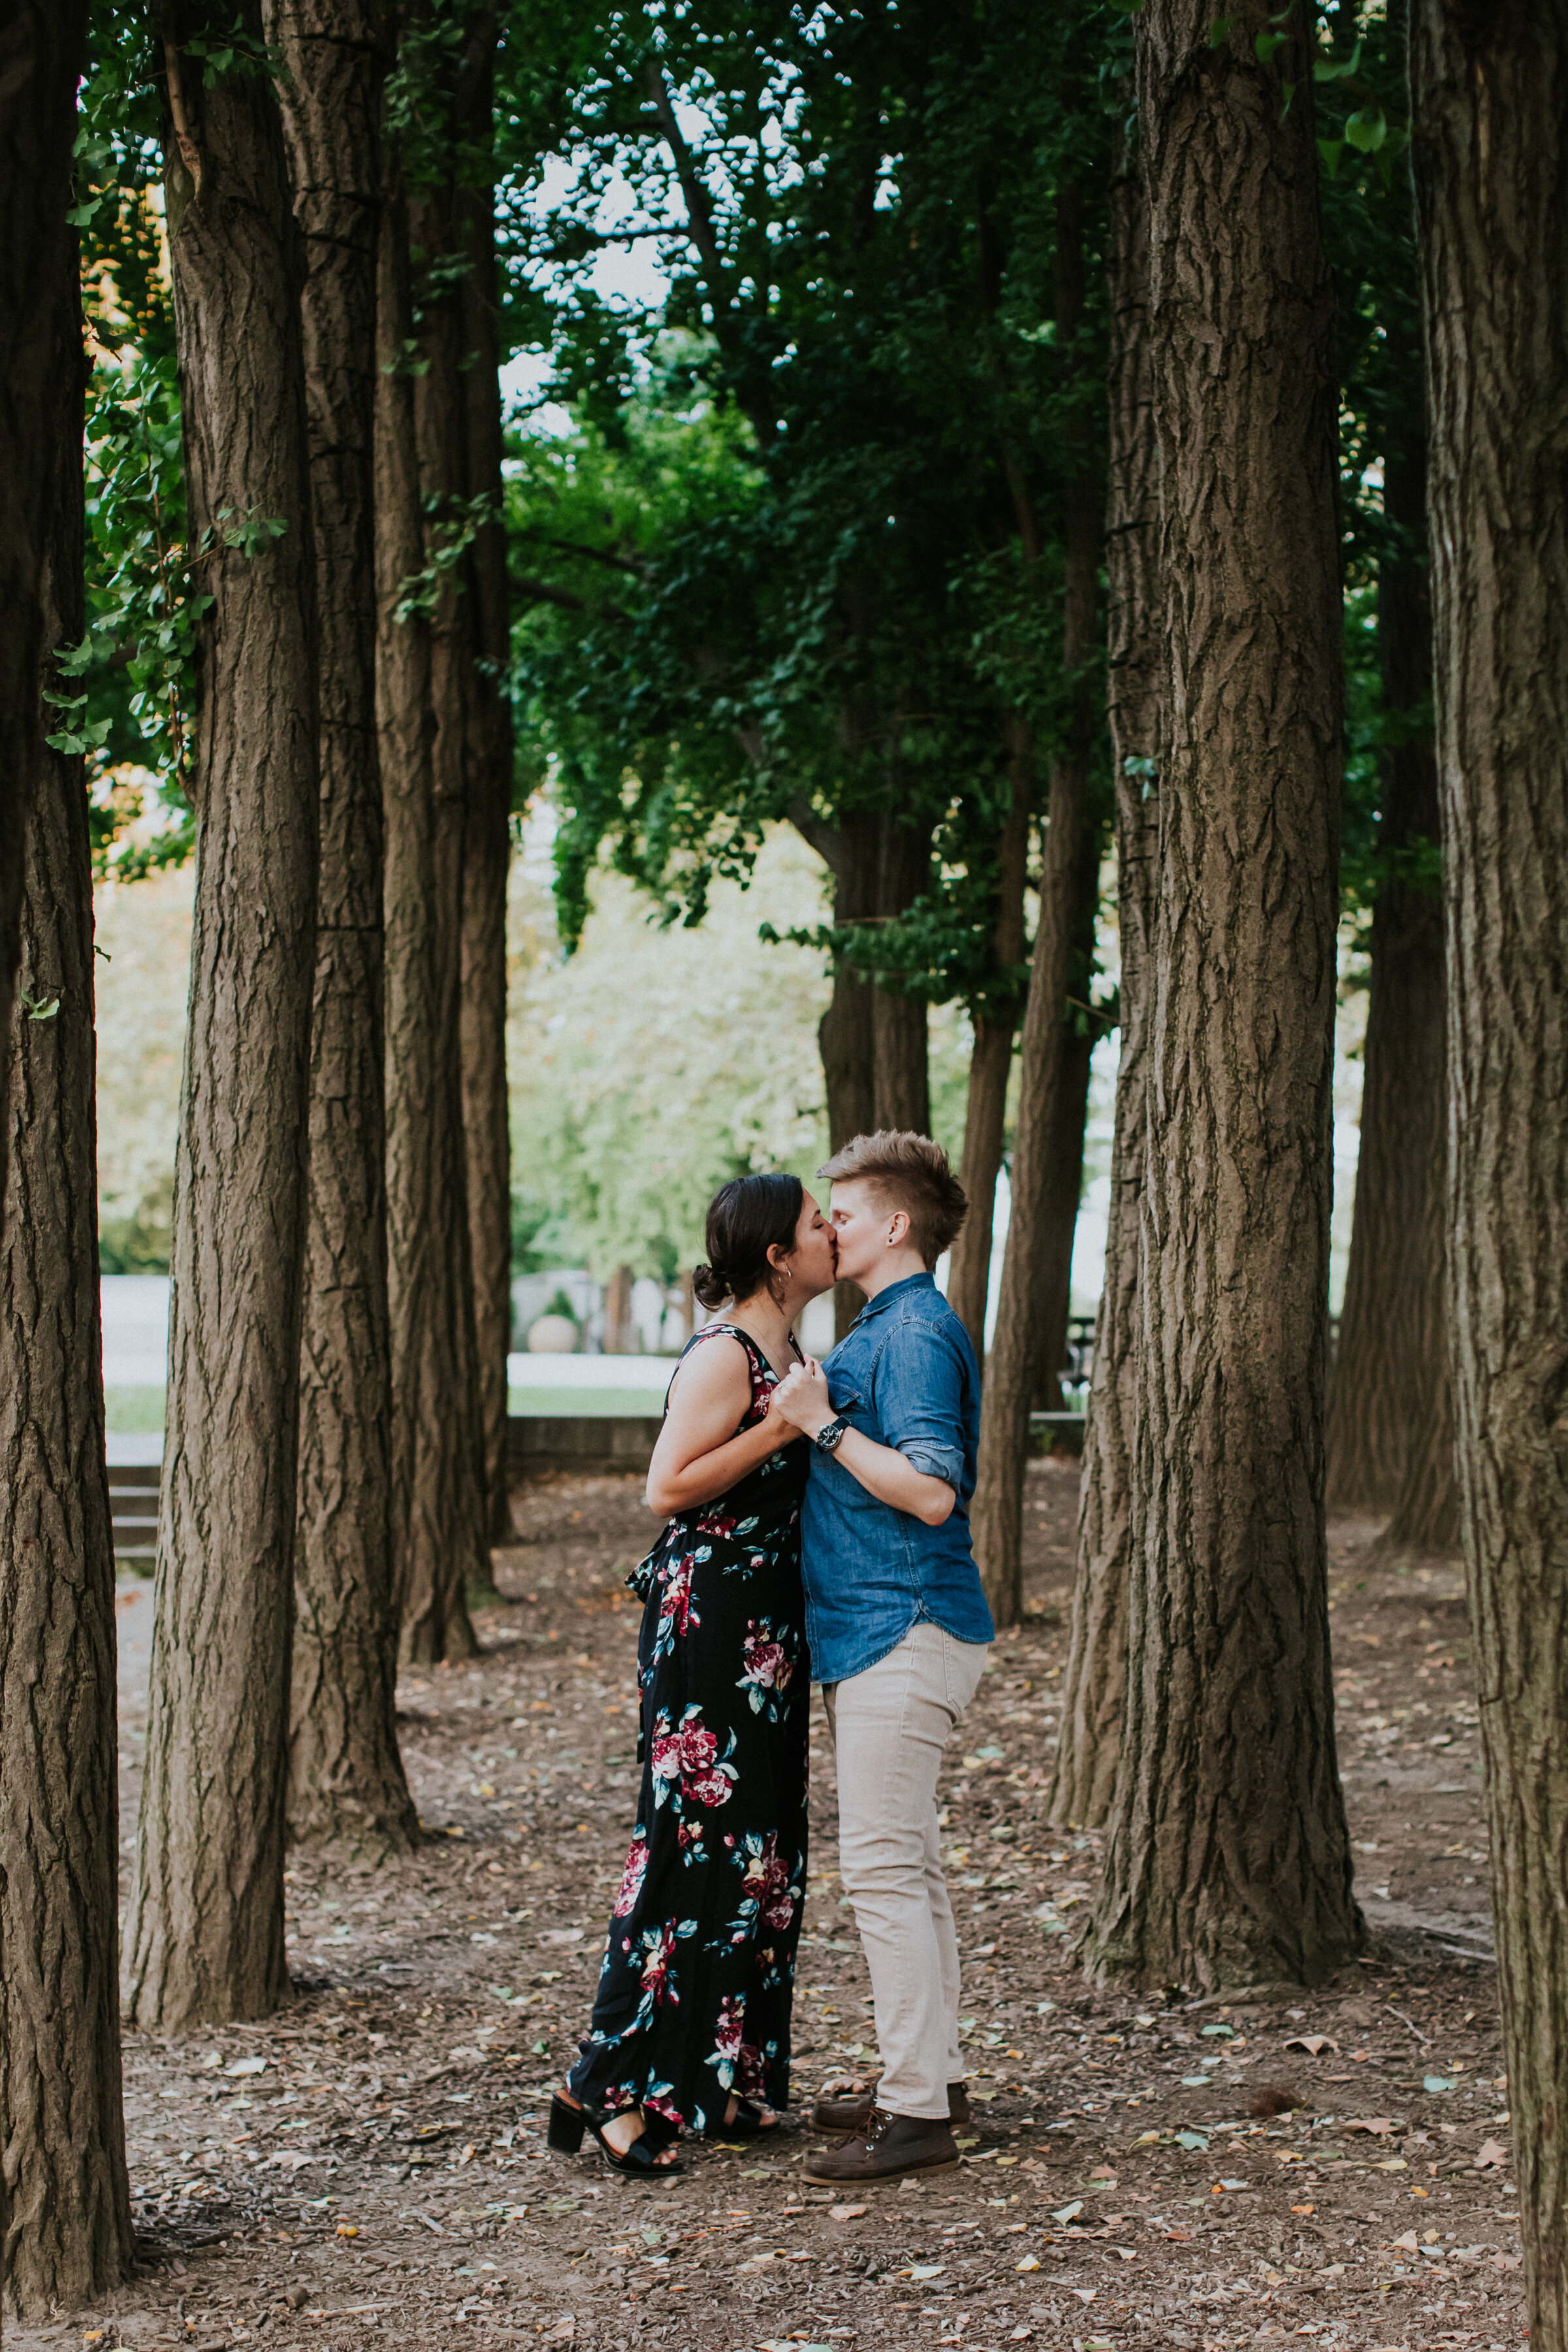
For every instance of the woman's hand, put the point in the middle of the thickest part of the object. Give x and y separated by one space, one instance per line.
802 1397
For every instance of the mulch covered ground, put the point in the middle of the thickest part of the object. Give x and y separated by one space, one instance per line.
373 2163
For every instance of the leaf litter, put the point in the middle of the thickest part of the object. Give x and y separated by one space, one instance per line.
402 2096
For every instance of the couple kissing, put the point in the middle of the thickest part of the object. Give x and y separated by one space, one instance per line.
817 1530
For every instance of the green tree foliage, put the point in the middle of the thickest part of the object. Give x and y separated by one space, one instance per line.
837 597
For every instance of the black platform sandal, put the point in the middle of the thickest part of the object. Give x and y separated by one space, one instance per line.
567 2124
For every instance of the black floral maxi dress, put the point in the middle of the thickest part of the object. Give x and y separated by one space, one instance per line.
697 1978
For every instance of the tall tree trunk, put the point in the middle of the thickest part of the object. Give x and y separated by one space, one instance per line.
1488 89
437 1505
1094 1688
997 1513
1228 1862
45 50
1064 1183
1391 1424
844 1034
204 1930
487 848
901 1078
68 2240
346 1784
991 1061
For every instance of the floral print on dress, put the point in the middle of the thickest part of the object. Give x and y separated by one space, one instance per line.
677 1611
737 2062
697 1980
770 1893
633 1876
685 1765
768 1668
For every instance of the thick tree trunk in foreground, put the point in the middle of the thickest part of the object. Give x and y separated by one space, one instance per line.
990 1062
438 1513
844 1034
486 855
68 2208
1228 1862
1488 93
901 1078
346 1785
204 1930
1094 1688
46 48
1391 1424
998 1511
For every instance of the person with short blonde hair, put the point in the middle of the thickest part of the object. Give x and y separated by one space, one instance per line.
910 1172
898 1625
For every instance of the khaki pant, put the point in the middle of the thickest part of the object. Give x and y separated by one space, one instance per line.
889 1727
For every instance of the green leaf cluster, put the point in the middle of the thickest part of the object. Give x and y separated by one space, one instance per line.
800 553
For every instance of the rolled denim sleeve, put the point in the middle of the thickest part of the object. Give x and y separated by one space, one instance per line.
920 1388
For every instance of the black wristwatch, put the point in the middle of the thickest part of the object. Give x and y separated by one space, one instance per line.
828 1437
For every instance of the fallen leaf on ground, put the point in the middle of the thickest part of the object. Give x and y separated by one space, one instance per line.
1313 2044
844 2212
1380 2126
1493 2152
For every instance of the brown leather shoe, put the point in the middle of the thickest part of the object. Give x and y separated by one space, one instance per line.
889 2149
842 2118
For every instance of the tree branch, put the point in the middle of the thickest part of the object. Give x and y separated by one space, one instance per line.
589 554
699 212
824 838
700 228
540 592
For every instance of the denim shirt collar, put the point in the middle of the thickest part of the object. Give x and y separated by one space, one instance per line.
894 1290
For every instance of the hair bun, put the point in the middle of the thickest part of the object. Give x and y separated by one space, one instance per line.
711 1286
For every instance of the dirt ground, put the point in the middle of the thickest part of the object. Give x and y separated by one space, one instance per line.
373 2162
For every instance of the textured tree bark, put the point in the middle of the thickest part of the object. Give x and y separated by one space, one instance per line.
1391 1428
46 46
844 1033
900 1079
68 2205
1488 89
1094 1688
437 1504
998 1510
990 1063
346 1784
204 1930
1228 1862
487 853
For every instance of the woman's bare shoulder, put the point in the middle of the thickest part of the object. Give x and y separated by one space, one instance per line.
711 1372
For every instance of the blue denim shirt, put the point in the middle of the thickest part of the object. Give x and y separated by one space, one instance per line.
905 1374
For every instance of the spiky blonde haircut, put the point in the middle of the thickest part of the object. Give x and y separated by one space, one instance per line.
910 1172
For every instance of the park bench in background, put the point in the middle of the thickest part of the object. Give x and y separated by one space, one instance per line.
133 1489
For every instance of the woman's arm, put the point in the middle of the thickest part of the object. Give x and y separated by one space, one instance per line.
882 1470
698 1456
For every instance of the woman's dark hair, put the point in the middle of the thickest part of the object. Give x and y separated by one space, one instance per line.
746 1218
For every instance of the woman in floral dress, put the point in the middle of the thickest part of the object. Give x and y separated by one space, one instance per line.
691 2023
